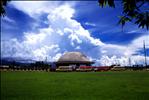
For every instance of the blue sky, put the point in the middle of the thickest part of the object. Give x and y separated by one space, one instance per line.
40 29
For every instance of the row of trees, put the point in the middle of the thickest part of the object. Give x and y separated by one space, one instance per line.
39 65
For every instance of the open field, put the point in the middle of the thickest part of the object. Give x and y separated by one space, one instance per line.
124 85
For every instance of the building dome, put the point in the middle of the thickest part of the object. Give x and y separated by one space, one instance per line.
73 57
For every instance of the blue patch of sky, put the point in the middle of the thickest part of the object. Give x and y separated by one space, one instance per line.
106 20
91 12
141 52
43 21
121 38
22 23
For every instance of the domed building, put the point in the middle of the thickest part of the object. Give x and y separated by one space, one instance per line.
73 59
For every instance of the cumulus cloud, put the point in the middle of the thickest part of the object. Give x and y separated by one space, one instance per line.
123 60
115 54
64 34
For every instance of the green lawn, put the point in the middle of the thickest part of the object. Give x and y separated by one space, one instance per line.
75 85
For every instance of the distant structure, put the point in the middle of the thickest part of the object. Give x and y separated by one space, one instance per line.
46 60
129 61
74 59
144 53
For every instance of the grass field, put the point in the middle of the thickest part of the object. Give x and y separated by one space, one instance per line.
75 85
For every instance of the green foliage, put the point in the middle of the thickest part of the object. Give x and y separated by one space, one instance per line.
123 20
102 3
142 19
3 5
132 12
75 85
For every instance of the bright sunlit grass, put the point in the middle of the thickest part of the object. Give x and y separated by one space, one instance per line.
75 85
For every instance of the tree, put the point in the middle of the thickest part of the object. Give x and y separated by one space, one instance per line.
133 11
12 65
3 5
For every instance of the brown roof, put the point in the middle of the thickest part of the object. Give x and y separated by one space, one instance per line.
73 57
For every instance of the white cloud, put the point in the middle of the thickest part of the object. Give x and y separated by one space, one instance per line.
62 12
6 18
57 56
32 38
60 32
73 38
42 53
138 43
78 47
90 24
34 8
123 61
12 48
